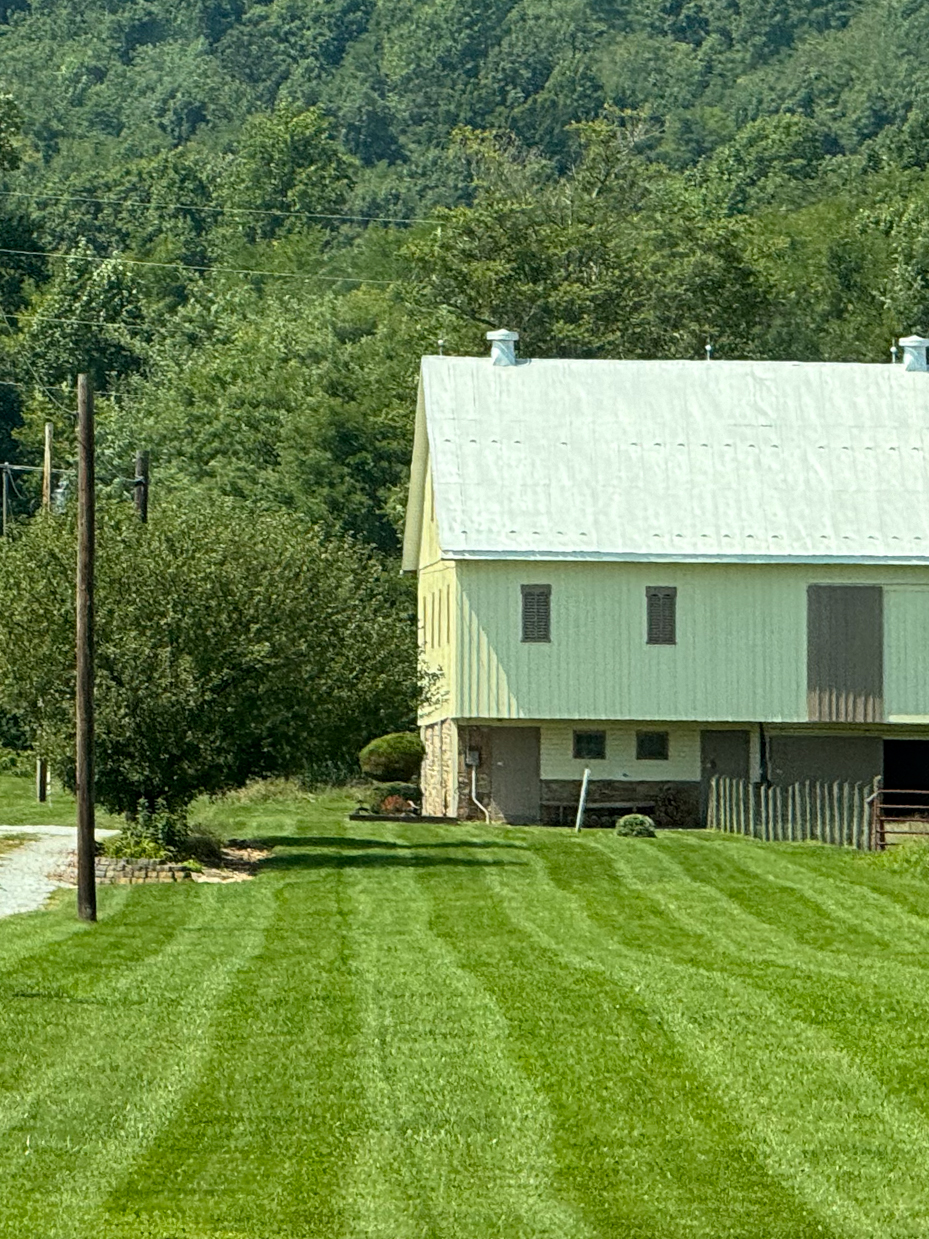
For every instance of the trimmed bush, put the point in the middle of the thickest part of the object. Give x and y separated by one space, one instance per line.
393 758
636 826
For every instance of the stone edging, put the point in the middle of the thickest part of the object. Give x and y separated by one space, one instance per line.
123 871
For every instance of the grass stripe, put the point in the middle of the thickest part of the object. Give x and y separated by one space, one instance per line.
822 1124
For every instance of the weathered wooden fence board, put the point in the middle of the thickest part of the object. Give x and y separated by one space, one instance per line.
836 813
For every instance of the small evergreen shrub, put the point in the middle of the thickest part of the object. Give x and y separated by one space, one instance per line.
393 758
635 826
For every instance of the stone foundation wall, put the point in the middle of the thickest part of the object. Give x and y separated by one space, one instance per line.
438 775
672 804
480 738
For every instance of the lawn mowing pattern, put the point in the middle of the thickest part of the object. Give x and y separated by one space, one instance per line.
418 1030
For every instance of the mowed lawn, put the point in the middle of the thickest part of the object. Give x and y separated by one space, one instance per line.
416 1030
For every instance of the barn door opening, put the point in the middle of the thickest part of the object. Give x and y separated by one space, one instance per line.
515 781
723 754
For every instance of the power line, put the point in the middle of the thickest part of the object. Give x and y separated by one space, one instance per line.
35 374
192 206
187 266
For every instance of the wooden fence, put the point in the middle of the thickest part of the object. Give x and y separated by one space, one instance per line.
839 813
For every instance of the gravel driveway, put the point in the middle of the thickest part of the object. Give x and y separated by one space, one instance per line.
24 884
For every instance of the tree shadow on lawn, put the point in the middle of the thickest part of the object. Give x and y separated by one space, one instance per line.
349 844
370 860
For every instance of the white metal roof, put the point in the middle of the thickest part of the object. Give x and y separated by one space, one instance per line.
678 460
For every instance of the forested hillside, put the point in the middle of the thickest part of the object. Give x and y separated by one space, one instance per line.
248 220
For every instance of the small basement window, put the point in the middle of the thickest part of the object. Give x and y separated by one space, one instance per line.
661 615
537 613
590 745
651 746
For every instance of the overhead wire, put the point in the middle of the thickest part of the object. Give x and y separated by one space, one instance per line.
35 374
192 206
187 266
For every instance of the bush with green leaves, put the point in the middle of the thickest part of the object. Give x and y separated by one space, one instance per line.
635 826
231 645
404 792
393 758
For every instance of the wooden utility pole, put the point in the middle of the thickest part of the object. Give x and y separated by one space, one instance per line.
41 765
141 485
86 888
6 499
47 467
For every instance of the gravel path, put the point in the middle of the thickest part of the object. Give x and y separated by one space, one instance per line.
24 884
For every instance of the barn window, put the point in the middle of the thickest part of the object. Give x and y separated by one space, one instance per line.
651 746
537 612
661 612
590 745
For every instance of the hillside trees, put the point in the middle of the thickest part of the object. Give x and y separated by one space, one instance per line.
617 259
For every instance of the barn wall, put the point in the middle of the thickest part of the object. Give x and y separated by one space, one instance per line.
741 651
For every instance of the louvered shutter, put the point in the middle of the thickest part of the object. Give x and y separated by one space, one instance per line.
537 613
661 624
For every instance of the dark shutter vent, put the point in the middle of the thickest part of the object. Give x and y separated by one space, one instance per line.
537 612
661 602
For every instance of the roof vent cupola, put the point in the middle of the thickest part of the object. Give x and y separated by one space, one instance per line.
914 352
503 348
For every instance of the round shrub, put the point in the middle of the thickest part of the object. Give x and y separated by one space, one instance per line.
636 826
393 758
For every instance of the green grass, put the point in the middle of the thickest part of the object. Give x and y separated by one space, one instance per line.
19 807
486 1033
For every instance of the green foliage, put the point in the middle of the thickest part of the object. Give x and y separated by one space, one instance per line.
635 826
910 857
392 758
229 646
400 792
287 164
11 123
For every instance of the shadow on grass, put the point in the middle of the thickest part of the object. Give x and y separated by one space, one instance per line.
410 859
382 845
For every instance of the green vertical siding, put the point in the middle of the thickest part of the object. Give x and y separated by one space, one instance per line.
740 652
906 653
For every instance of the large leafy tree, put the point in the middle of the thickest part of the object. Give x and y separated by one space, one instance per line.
618 259
230 645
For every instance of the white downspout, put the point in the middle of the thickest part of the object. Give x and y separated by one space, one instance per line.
474 795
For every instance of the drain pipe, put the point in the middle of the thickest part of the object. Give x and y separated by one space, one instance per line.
474 795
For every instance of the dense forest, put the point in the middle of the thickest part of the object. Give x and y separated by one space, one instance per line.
248 220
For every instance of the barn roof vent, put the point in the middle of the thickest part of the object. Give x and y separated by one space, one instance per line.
914 352
503 348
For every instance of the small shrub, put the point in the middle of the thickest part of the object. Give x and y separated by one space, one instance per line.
395 798
132 845
153 833
14 761
202 846
911 856
635 826
392 758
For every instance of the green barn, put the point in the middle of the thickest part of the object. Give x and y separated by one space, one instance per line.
659 571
